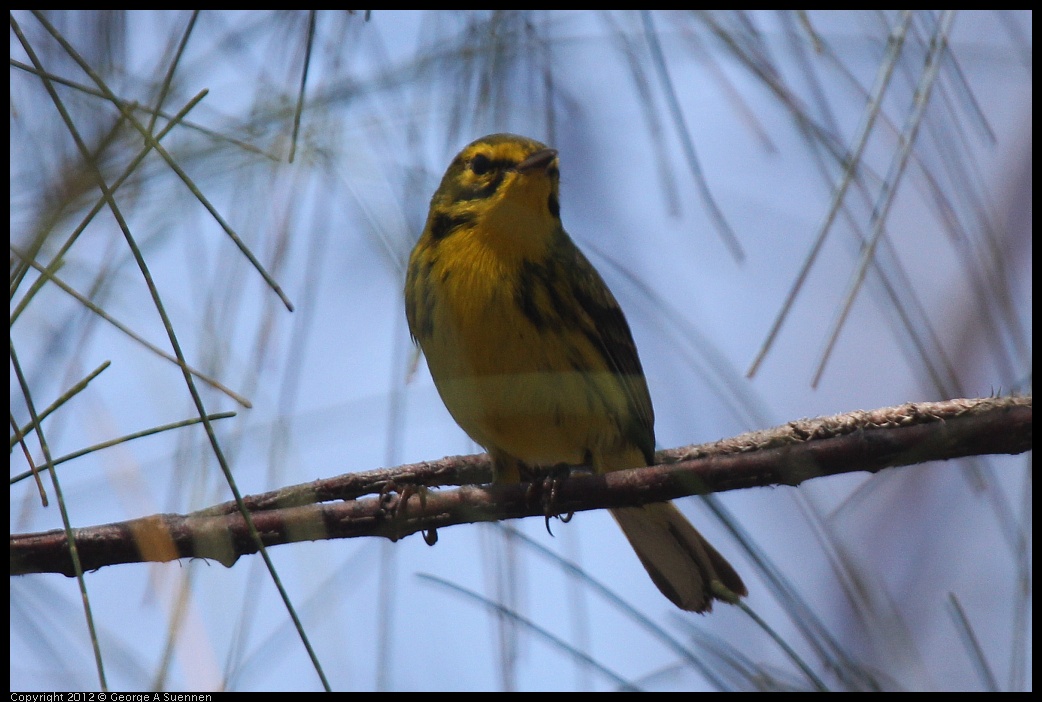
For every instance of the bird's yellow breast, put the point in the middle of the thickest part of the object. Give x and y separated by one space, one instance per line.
543 396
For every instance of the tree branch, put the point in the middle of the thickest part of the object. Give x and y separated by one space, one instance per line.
785 455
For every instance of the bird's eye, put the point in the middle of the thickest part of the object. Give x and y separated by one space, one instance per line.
480 164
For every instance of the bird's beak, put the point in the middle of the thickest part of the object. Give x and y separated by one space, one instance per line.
540 159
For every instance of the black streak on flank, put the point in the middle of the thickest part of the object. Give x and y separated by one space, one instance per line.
526 295
537 297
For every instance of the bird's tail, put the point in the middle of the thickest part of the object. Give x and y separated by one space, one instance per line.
684 566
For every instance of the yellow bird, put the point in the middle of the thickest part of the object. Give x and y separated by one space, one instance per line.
532 354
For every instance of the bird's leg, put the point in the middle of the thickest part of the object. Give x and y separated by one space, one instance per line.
396 508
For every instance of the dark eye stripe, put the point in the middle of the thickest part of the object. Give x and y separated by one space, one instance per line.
487 164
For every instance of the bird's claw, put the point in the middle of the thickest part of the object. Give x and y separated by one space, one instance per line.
548 492
396 508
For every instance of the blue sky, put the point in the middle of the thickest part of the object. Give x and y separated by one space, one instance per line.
388 102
